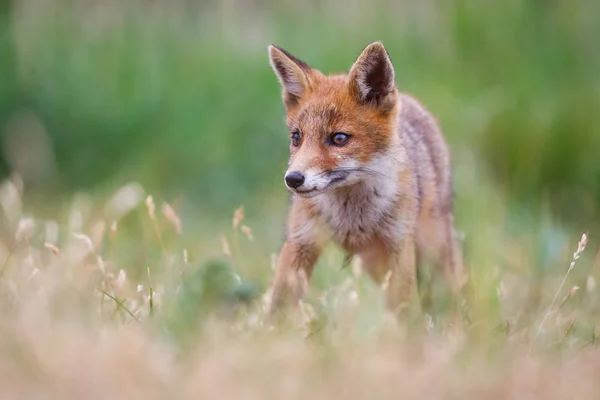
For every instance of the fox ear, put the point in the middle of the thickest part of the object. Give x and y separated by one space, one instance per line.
293 74
371 78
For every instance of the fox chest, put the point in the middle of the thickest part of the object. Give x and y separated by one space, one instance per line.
354 217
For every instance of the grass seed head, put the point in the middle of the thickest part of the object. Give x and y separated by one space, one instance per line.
24 229
172 217
85 239
238 216
151 208
52 248
114 226
121 278
225 246
386 280
185 257
247 231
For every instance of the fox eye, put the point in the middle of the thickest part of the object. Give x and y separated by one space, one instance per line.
295 139
339 139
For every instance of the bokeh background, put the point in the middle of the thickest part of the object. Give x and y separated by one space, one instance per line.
178 98
109 293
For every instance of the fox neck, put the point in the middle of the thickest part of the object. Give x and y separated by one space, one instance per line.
355 213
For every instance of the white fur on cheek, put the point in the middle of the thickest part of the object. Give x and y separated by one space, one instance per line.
352 177
385 182
315 179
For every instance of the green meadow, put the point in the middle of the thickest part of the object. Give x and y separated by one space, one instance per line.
142 153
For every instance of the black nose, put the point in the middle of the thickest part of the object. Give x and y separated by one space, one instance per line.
294 179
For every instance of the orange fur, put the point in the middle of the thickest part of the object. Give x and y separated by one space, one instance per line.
384 195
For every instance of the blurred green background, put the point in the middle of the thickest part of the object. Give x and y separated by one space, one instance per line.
179 96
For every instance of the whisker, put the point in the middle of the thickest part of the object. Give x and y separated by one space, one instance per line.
365 170
343 172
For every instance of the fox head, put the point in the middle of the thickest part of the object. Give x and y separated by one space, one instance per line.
338 124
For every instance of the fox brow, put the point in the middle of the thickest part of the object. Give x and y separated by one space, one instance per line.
324 113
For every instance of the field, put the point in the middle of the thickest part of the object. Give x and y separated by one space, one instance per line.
142 206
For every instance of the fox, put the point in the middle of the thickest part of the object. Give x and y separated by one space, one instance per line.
370 170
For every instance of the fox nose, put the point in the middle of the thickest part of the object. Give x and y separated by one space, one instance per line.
294 179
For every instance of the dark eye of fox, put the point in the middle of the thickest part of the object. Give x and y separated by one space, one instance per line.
295 139
339 139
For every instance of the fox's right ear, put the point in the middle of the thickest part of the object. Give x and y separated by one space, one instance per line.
293 74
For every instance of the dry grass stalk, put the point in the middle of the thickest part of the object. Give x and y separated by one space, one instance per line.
238 216
571 293
247 231
121 278
100 263
576 255
151 208
225 246
24 229
85 239
52 248
172 217
114 226
386 281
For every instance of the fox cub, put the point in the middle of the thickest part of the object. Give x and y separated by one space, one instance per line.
369 169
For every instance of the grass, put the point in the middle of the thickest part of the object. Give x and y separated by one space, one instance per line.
132 132
80 318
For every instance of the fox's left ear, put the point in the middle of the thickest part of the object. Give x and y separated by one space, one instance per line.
371 78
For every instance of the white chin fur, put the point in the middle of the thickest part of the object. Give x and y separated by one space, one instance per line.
309 194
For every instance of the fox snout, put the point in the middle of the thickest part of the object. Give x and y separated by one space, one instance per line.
294 179
311 183
302 182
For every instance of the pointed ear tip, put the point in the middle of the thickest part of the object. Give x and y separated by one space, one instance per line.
273 49
378 45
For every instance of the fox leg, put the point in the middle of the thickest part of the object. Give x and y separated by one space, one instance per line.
401 290
424 284
393 267
443 250
440 248
452 260
294 267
